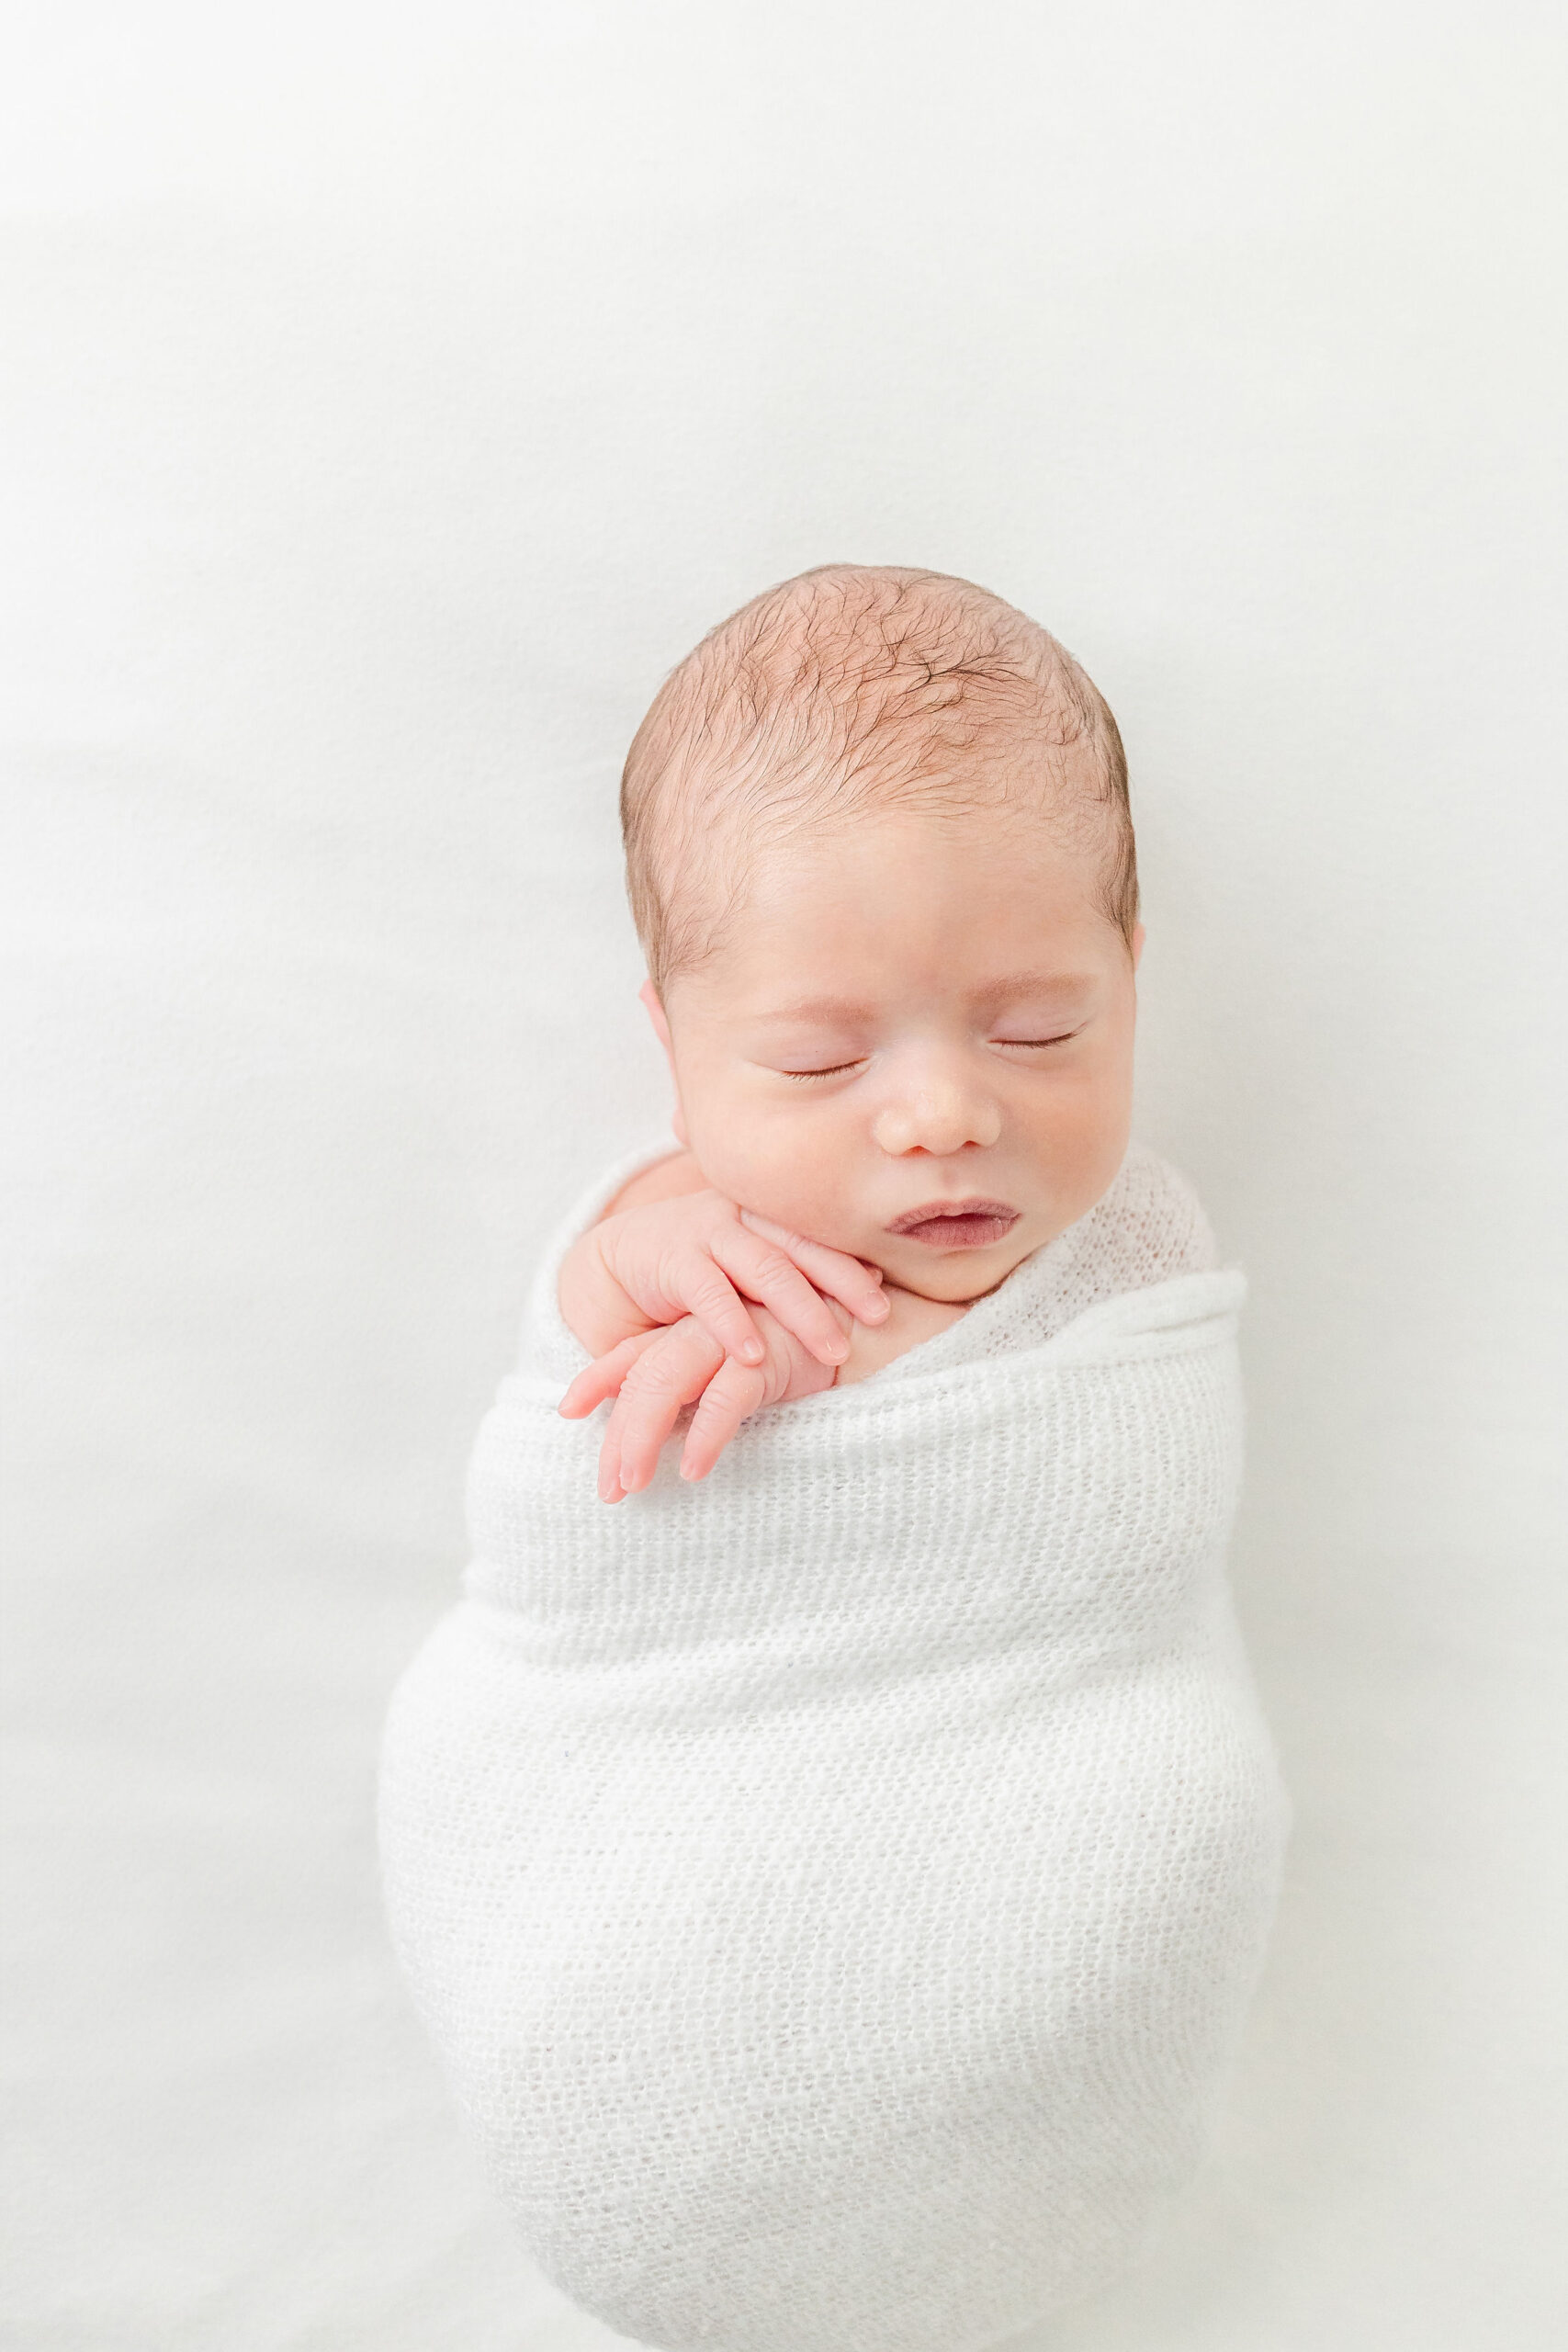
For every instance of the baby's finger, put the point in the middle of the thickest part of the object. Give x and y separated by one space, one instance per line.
735 1391
765 1268
603 1376
849 1279
610 1487
697 1284
653 1395
767 1273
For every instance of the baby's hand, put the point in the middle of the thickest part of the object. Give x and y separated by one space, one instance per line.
654 1375
693 1255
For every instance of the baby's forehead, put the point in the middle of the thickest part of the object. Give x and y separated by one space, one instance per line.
892 909
974 822
1005 793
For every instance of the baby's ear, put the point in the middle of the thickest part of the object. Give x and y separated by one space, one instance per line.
656 1014
650 996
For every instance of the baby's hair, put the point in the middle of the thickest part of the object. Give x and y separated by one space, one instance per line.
848 687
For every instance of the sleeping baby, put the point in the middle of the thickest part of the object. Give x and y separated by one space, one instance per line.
835 1879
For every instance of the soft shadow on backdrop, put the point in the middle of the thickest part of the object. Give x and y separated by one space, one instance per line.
391 398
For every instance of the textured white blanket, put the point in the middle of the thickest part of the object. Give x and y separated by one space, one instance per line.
836 1888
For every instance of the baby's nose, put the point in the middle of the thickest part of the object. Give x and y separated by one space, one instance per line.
936 1119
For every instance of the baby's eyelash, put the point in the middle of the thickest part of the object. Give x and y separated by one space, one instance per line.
1025 1044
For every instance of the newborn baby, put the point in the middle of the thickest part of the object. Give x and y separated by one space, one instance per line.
836 1880
881 857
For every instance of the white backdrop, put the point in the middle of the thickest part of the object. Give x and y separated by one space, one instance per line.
391 395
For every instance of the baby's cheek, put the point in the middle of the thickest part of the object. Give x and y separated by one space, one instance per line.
779 1174
732 1152
829 1215
1089 1152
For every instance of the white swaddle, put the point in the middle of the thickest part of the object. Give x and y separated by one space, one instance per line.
836 1888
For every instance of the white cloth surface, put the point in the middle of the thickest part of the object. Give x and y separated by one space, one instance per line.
835 1888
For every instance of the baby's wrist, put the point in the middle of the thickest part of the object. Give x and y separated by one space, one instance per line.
587 1294
595 1304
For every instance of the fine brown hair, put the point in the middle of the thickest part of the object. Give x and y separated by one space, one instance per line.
847 686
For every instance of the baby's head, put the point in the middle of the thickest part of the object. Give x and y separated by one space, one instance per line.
880 858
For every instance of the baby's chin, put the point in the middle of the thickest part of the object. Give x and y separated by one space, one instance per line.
955 1277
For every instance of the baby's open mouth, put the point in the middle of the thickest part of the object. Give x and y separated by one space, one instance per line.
955 1224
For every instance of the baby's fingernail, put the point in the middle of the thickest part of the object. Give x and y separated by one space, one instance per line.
836 1350
751 1352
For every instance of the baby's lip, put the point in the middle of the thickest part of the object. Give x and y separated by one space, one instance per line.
955 1207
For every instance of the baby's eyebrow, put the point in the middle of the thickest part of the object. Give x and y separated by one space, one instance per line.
820 1008
995 993
1034 984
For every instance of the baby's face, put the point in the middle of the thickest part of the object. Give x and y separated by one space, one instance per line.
917 1045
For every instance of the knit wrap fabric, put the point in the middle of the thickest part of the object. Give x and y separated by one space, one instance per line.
836 1888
